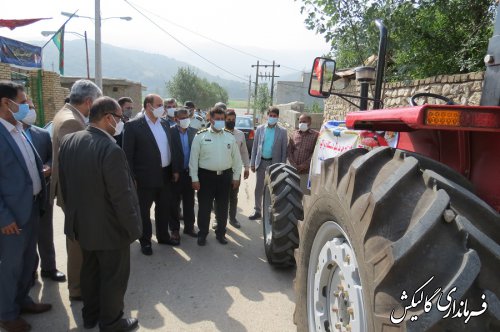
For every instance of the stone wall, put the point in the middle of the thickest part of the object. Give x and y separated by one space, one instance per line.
462 89
114 88
290 113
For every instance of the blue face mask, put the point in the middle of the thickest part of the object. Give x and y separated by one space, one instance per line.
272 121
219 124
22 112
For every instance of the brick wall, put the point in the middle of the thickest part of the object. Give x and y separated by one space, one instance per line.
462 89
52 94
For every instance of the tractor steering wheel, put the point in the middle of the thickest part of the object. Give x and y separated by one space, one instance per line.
428 94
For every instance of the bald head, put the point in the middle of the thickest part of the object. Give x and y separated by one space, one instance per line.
152 101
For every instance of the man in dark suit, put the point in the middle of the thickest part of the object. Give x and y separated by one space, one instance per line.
71 118
40 138
102 213
127 106
182 139
22 192
147 145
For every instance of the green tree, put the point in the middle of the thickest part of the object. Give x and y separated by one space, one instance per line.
263 99
426 37
186 85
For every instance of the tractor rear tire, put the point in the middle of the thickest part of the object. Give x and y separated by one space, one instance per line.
282 207
392 226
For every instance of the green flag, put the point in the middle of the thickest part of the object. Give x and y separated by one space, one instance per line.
58 39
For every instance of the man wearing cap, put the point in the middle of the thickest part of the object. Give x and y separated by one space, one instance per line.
214 165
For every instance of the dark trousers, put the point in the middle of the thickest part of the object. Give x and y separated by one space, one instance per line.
183 190
46 248
233 204
213 186
17 260
104 279
162 197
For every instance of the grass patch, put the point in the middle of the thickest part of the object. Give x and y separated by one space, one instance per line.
237 103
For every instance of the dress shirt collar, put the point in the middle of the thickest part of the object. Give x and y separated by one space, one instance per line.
104 131
148 120
9 126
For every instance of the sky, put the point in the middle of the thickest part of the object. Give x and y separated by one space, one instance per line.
270 29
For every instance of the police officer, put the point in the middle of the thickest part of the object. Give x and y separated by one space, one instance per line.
214 165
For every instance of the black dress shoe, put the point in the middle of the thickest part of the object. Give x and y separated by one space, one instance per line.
35 308
221 239
147 250
122 325
202 241
170 242
191 233
235 223
255 216
89 323
54 275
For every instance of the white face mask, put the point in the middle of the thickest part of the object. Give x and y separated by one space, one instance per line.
184 123
118 127
30 118
171 112
158 112
303 126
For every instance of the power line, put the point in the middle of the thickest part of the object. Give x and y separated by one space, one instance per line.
183 44
214 40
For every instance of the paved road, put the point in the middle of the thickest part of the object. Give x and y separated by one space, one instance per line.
190 288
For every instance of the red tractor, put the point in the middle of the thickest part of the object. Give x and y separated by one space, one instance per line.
395 238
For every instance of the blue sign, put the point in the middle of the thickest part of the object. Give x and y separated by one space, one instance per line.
19 53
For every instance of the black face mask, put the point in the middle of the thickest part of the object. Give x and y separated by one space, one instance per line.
230 125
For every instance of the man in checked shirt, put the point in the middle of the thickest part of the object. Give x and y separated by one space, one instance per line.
301 147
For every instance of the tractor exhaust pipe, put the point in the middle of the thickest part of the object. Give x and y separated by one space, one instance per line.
380 63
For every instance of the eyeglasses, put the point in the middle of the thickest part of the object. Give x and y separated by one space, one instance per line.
121 117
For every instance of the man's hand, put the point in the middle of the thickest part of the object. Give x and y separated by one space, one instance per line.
236 184
196 186
246 173
11 229
47 171
253 168
175 177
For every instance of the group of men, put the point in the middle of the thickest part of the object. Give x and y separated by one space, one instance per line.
105 168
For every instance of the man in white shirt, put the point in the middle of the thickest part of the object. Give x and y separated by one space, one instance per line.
147 145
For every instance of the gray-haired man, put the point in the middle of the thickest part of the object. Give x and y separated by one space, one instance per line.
71 118
170 105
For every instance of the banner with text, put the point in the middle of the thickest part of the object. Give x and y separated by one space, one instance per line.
21 54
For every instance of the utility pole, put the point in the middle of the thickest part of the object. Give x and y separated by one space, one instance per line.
257 75
256 87
249 92
98 56
272 82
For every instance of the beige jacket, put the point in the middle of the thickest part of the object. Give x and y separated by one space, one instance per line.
68 120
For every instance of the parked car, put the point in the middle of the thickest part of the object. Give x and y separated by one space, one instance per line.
245 124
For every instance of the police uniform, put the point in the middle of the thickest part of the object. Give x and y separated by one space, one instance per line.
214 162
